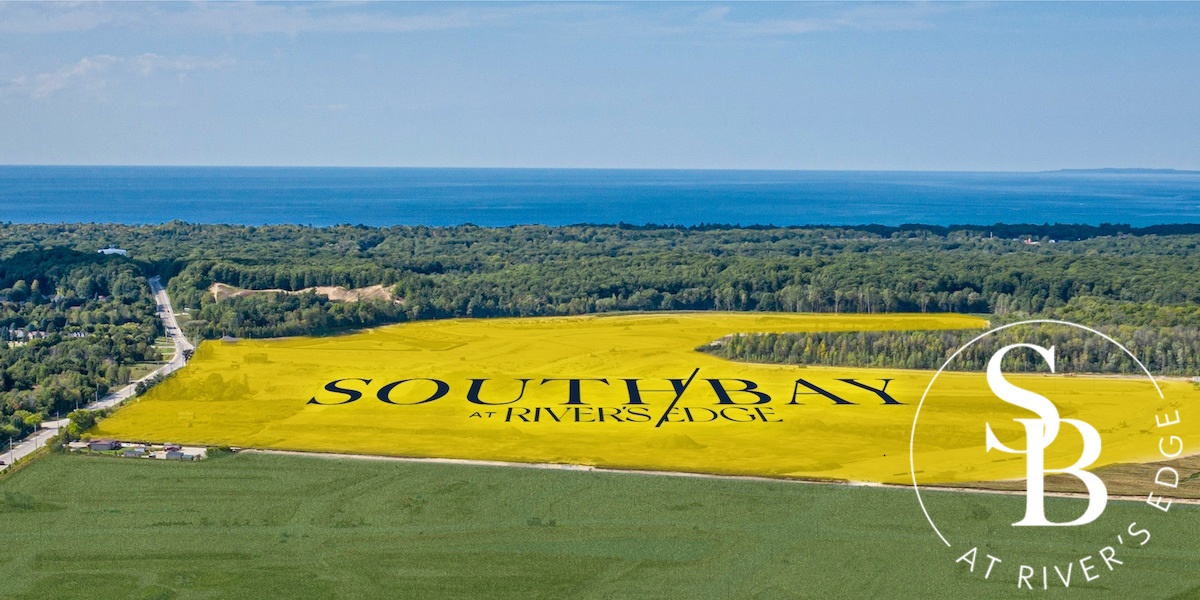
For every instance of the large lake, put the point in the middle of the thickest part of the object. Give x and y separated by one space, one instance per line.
325 196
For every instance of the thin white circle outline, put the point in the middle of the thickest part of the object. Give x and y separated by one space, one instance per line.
912 468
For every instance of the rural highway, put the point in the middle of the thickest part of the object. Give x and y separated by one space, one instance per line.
50 428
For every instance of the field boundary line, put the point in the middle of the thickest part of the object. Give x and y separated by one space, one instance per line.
688 474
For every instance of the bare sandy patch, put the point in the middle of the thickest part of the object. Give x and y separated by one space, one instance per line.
221 291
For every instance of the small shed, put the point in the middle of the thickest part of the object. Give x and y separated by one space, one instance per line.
102 445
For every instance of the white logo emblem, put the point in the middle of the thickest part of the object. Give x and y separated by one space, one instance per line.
1039 434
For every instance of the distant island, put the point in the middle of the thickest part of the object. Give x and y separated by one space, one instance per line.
1129 171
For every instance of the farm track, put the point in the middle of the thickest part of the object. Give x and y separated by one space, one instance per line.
647 472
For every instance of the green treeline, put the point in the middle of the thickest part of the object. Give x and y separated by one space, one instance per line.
278 315
470 271
1119 274
1163 350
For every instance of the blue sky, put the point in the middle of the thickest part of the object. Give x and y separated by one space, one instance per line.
931 86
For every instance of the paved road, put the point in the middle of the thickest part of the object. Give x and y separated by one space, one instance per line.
50 428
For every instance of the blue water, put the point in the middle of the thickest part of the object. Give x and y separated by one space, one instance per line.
326 196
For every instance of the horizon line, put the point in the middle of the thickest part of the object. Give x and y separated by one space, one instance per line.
1098 170
916 226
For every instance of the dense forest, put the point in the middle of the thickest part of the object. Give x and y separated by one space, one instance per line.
1106 274
97 315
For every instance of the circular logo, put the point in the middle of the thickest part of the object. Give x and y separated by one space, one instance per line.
1033 475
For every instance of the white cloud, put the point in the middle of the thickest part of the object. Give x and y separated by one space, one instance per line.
242 17
148 64
713 15
898 17
250 18
87 71
92 72
819 18
245 18
52 17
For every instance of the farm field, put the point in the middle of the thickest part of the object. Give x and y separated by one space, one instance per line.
256 526
272 394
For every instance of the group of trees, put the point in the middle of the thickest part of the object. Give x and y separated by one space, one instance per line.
278 315
470 271
71 326
1163 350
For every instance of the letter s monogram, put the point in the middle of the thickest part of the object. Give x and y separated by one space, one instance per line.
1039 434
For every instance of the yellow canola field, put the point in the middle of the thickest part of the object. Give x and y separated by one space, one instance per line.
819 422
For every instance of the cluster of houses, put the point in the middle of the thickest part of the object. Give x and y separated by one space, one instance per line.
166 451
32 334
20 337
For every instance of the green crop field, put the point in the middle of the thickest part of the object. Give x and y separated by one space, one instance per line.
262 526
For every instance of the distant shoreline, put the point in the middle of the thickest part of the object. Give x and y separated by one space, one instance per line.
1011 231
1126 171
444 168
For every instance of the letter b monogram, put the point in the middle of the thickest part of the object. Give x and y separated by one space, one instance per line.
1040 433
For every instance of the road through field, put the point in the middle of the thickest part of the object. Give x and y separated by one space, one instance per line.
49 429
